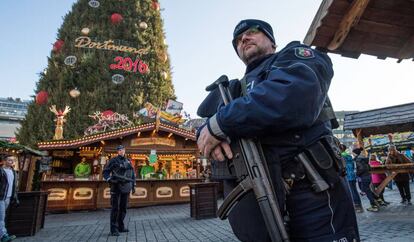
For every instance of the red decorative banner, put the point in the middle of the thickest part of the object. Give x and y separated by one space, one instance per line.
127 64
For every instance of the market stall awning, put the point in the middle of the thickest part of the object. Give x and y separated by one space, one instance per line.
4 145
393 119
62 144
382 28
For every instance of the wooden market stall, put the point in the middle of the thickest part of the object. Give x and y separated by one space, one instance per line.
382 28
376 129
168 149
26 162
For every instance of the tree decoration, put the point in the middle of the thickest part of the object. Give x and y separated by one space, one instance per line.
164 75
135 49
57 46
107 113
41 97
116 18
143 25
85 31
74 93
156 5
70 60
94 3
163 57
118 79
60 120
106 121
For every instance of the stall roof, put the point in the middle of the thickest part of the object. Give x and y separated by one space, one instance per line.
393 119
62 144
382 28
21 148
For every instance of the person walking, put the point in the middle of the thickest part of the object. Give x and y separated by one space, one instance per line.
351 178
362 170
403 179
8 194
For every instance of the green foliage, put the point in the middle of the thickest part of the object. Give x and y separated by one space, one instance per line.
91 73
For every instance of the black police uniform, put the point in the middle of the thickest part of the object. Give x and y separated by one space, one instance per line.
117 167
284 95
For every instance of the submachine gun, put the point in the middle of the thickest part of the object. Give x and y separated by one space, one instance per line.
252 173
118 178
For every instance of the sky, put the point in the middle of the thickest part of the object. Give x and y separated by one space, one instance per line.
198 35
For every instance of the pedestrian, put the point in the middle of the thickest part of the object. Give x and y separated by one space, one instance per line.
377 180
121 177
362 170
280 101
402 179
351 178
8 194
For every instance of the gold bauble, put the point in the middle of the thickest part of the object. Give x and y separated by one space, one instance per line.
85 31
164 75
74 93
143 25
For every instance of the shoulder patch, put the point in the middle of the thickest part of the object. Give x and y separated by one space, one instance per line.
304 53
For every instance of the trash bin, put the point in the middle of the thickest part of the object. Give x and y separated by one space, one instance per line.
29 217
203 200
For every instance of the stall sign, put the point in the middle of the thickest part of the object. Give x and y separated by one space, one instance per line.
174 107
153 156
153 141
45 164
62 153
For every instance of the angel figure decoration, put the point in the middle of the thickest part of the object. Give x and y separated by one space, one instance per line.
60 120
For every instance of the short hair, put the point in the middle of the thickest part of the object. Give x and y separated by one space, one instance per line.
391 147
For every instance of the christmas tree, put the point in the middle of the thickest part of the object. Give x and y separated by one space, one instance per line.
109 55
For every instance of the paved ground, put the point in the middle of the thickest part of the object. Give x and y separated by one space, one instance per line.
173 223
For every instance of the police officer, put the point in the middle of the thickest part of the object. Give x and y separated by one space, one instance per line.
282 99
121 177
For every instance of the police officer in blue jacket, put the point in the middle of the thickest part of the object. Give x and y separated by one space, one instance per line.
283 104
121 177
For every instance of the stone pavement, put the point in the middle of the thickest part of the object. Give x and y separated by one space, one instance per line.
173 223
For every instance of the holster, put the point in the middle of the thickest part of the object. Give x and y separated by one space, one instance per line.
326 158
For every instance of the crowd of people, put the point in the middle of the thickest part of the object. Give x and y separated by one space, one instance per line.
358 166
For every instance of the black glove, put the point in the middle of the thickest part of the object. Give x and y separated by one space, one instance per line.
133 190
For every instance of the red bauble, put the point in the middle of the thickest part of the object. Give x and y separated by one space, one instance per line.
107 113
116 18
41 97
156 5
57 46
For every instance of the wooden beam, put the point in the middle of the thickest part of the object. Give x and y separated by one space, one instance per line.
350 19
407 51
317 21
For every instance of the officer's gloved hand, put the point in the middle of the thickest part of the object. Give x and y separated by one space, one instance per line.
133 190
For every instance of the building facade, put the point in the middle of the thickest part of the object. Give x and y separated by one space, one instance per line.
12 111
345 136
